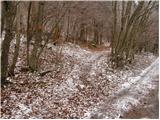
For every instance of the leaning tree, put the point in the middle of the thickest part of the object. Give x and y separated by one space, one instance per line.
129 21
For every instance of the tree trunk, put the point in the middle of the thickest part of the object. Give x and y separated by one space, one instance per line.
10 15
68 26
28 31
123 45
17 46
33 62
114 26
2 17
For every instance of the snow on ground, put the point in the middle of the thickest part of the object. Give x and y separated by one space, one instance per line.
139 88
135 92
80 82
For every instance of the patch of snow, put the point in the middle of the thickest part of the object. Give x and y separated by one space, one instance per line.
87 115
70 83
81 86
126 85
23 38
50 46
24 108
125 103
143 84
13 97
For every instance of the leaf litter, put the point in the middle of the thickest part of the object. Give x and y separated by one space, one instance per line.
80 82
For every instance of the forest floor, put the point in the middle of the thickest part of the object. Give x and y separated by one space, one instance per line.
81 84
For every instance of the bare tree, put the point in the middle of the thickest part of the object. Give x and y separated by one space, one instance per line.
10 12
38 36
133 22
18 36
28 30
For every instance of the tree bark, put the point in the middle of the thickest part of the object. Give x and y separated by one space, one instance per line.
10 15
2 17
17 46
28 31
33 62
123 46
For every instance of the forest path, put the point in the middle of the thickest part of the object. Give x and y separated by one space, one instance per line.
80 87
137 98
86 64
150 106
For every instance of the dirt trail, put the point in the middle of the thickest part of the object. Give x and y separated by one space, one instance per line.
149 109
137 99
85 81
146 90
150 106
